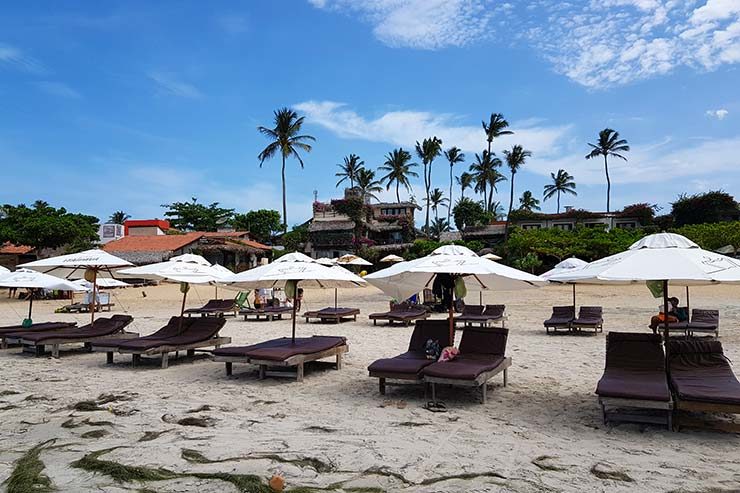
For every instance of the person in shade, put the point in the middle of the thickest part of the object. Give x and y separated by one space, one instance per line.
675 314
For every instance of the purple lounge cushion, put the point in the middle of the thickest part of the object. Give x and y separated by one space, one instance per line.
464 367
173 327
101 327
408 363
283 348
199 330
40 327
700 372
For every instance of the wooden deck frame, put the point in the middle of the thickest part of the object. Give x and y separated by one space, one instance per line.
299 360
214 313
483 323
596 327
164 351
383 377
621 403
335 317
706 407
404 321
39 348
556 327
481 381
269 316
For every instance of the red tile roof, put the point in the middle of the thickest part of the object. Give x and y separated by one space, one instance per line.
10 249
256 244
153 243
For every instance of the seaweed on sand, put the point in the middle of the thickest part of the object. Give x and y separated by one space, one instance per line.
28 473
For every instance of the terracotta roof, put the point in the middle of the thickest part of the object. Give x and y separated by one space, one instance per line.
10 249
152 243
331 226
255 244
226 234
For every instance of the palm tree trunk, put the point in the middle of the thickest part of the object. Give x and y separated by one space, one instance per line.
511 205
285 213
449 207
608 183
426 185
398 197
558 201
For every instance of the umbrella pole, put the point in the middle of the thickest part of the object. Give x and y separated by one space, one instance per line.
93 299
480 298
182 310
665 315
295 301
452 316
30 303
688 303
335 298
574 298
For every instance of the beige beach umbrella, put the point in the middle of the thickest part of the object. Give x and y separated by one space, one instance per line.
350 259
31 279
491 256
292 270
92 263
329 262
391 259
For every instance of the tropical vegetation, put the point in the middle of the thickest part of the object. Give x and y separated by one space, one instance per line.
562 182
609 144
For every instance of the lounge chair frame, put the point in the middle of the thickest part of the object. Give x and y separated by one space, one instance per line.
298 361
39 349
481 381
332 317
392 319
269 316
163 351
620 403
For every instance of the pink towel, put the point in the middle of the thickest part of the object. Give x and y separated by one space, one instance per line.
448 354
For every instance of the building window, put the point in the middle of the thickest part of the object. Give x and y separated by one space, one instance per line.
627 225
564 226
531 226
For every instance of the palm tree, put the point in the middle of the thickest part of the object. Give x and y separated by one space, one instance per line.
609 145
515 159
497 210
495 128
453 155
367 185
118 217
287 140
465 180
527 202
486 176
428 150
494 178
351 165
561 183
399 170
437 198
439 226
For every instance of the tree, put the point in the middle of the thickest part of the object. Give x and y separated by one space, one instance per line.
192 216
437 198
486 176
496 211
609 145
561 183
352 164
709 207
427 151
43 226
515 159
295 239
367 185
495 128
527 202
438 226
262 224
118 217
469 213
453 155
465 180
397 164
286 140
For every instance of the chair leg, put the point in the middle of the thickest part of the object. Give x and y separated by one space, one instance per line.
191 352
484 389
109 357
339 361
506 376
55 351
299 372
228 368
135 359
165 360
381 385
263 368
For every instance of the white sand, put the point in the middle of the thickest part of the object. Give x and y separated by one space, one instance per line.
548 408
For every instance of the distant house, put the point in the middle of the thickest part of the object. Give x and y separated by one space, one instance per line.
572 218
13 255
234 250
145 227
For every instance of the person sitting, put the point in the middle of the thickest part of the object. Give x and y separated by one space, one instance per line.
299 299
673 315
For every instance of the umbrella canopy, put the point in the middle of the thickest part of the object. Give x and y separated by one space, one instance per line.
187 272
659 257
3 271
223 270
104 282
567 265
67 265
30 279
326 261
350 259
392 259
191 258
491 256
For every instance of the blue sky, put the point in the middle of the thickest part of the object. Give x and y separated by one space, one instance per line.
129 105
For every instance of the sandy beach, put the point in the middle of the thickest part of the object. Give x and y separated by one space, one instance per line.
543 432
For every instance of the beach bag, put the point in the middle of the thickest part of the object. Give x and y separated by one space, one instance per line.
432 349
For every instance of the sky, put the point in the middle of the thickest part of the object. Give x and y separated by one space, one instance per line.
109 106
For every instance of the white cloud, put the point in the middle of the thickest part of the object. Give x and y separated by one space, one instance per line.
169 84
58 89
720 114
423 24
404 128
13 57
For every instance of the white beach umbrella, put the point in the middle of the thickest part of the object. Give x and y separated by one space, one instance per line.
31 279
103 282
3 271
491 256
350 259
94 263
327 261
391 259
403 279
191 258
665 257
225 272
293 269
564 267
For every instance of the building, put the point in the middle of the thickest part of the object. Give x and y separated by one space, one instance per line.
145 227
13 255
386 226
110 232
572 218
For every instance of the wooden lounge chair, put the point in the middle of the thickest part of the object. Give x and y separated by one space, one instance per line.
34 328
701 377
561 318
335 315
403 313
214 308
589 317
703 322
482 356
198 333
111 345
269 312
635 378
103 304
101 328
284 353
408 366
469 312
483 316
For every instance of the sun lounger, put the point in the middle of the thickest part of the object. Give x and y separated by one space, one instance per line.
704 322
589 317
214 308
404 313
409 365
198 333
482 356
635 378
561 318
101 328
34 328
103 304
335 315
173 327
469 312
701 377
269 312
284 353
483 316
